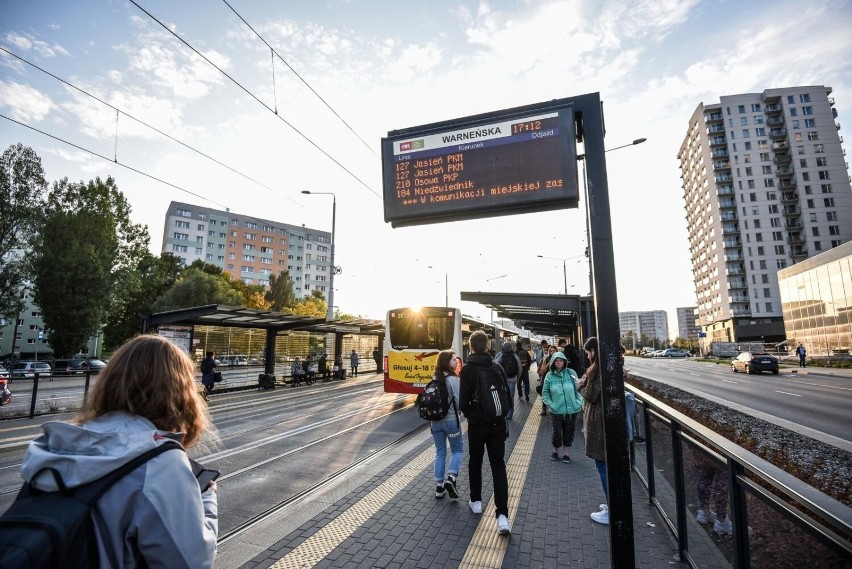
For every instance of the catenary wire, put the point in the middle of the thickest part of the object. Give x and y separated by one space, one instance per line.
302 79
140 121
253 96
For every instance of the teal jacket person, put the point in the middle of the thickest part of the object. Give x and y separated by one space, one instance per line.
560 388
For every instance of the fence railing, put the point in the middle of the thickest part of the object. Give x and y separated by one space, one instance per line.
727 507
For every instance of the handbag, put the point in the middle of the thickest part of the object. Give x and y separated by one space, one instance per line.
217 376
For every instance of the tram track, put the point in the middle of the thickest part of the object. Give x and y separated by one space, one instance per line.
295 499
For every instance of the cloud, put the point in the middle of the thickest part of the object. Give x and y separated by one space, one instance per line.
85 161
28 43
26 104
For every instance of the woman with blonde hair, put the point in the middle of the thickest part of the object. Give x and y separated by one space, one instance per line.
156 515
448 429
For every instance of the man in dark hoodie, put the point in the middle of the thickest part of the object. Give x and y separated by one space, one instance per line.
485 434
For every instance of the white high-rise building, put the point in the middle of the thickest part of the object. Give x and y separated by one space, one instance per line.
653 324
765 184
687 326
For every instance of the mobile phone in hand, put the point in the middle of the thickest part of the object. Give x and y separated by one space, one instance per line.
205 477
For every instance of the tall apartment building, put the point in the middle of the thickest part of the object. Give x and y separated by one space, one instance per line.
765 185
651 324
249 248
687 323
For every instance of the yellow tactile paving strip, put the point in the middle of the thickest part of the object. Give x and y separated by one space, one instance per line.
487 547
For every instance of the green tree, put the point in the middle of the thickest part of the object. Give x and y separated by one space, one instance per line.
280 294
82 259
197 288
22 189
313 305
151 279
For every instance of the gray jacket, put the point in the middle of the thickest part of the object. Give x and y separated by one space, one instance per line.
155 513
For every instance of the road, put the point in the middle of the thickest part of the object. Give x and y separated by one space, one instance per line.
820 402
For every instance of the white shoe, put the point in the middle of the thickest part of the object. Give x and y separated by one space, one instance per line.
601 517
603 507
723 527
475 507
503 525
702 517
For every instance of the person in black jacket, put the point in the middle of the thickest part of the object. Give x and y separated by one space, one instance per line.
484 434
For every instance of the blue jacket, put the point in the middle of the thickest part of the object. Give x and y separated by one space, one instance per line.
560 392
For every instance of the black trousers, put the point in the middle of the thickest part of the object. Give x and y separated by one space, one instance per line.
490 437
524 384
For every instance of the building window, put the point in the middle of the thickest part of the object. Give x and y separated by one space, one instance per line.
249 258
822 161
232 255
741 109
815 231
835 242
762 144
179 248
769 307
269 229
834 230
181 236
200 227
267 239
790 100
795 124
818 245
755 107
747 146
806 176
823 175
181 224
775 222
762 265
819 148
250 225
250 236
746 133
781 263
743 121
810 123
797 137
807 110
831 216
813 135
760 131
764 278
779 250
183 213
777 236
248 247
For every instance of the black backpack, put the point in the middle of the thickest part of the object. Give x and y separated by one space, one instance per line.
207 365
509 363
57 529
524 356
491 398
434 402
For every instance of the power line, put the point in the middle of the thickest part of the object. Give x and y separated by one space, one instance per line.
140 121
302 79
137 171
253 96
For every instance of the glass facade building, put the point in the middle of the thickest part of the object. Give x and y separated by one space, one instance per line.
816 298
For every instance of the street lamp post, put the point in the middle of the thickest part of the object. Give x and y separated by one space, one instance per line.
333 269
635 142
564 269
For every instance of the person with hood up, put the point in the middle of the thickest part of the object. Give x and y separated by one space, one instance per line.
561 396
155 516
593 422
511 364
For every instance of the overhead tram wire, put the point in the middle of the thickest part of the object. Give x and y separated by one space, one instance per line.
253 96
108 159
155 129
302 79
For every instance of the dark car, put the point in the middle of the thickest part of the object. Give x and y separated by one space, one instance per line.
751 362
69 367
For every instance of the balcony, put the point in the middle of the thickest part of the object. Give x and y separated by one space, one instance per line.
723 178
789 197
725 190
775 121
741 311
722 165
837 124
780 147
773 108
716 128
729 216
732 243
713 117
784 171
787 184
736 270
730 229
727 203
720 153
718 141
831 101
792 211
737 283
738 298
783 158
799 252
795 239
778 133
792 225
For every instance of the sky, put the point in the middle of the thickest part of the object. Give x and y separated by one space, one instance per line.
356 70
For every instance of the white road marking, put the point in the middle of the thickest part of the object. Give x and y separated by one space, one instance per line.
729 381
695 374
785 393
821 385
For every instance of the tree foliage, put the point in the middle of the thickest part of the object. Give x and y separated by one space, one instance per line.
280 295
152 277
313 305
197 288
22 189
84 255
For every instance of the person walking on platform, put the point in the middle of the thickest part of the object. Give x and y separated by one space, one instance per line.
297 371
487 428
593 422
353 361
511 364
564 401
526 362
543 366
208 370
339 371
448 429
155 516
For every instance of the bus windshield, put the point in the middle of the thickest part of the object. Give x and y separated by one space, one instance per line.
426 329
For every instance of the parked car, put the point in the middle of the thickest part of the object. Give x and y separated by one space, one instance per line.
69 367
751 362
30 368
657 353
675 353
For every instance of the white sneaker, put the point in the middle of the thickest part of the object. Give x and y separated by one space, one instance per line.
475 507
602 517
603 507
503 525
702 517
723 527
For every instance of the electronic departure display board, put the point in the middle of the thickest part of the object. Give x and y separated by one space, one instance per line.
512 161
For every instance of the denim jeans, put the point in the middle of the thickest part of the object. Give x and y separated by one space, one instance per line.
512 385
442 431
601 466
